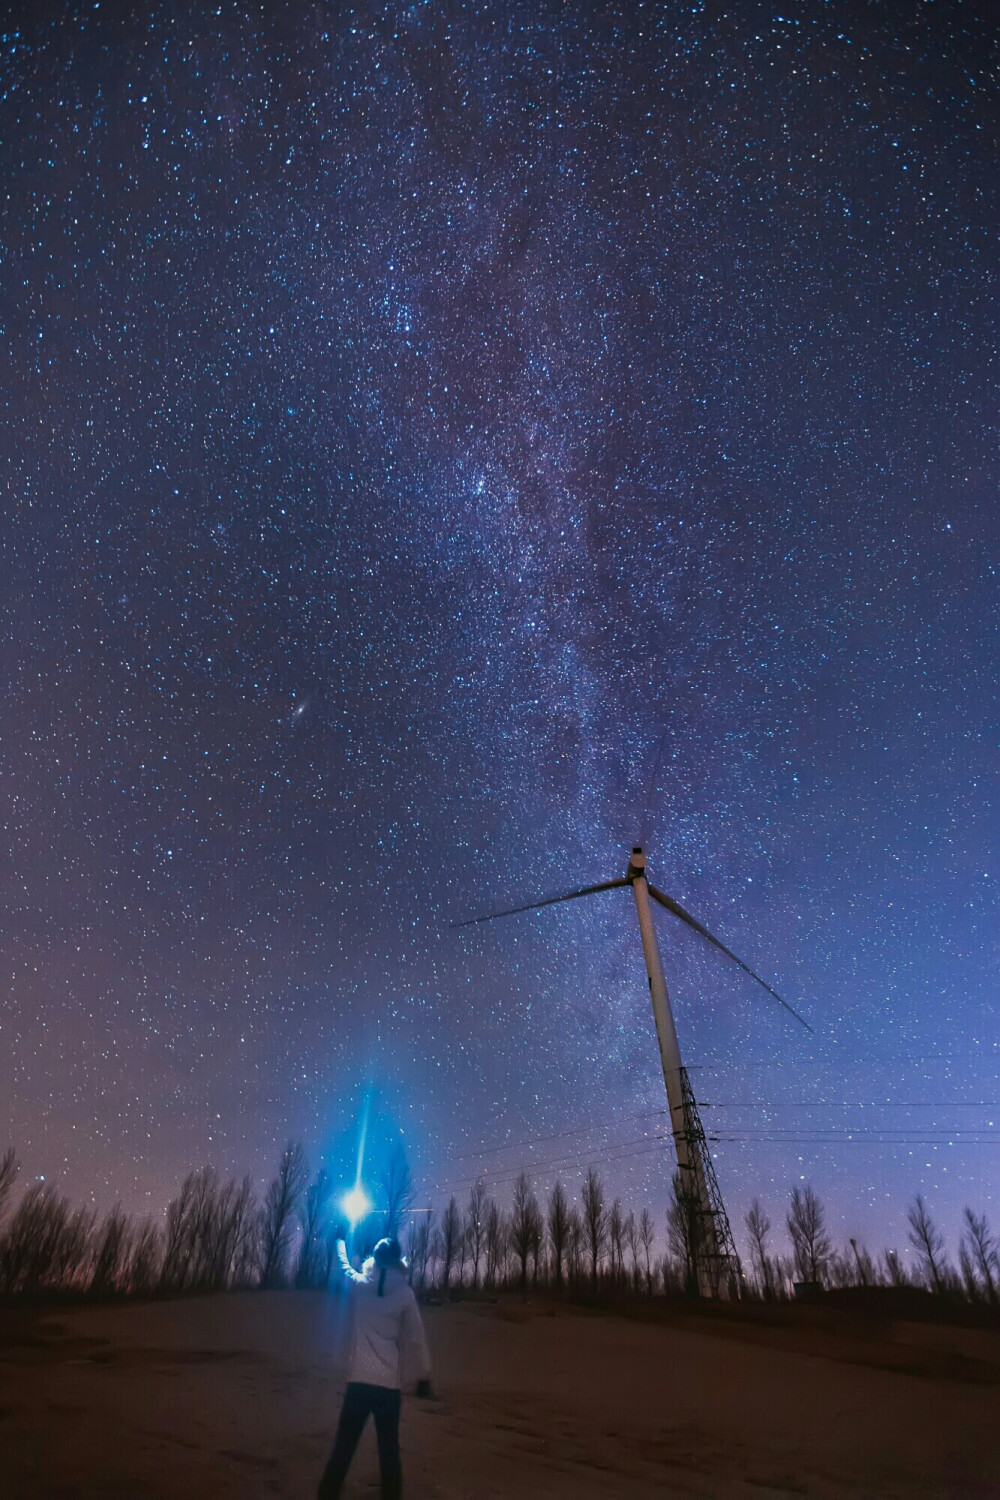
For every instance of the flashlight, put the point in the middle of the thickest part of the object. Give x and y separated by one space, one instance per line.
356 1204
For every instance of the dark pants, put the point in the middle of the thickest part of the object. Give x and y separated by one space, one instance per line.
384 1405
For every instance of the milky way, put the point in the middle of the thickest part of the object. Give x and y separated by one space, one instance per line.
442 445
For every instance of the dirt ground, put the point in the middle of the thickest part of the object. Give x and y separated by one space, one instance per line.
238 1396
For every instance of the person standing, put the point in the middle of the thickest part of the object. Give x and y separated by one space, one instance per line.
387 1344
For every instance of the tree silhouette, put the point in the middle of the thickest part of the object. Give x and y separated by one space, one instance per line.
594 1219
46 1247
525 1224
278 1217
397 1190
475 1226
758 1227
451 1231
575 1238
631 1237
496 1241
111 1253
683 1228
979 1250
558 1229
312 1214
647 1234
616 1236
8 1176
928 1241
144 1265
810 1241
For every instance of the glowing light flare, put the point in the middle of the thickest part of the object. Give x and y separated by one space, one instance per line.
356 1204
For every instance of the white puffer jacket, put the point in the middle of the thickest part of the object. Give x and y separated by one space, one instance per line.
386 1345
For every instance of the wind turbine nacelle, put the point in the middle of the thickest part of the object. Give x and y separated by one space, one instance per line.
636 864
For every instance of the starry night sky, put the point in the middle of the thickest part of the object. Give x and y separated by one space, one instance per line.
431 434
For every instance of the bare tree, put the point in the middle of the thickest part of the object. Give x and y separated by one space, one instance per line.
475 1227
144 1262
981 1251
209 1235
675 1274
451 1233
647 1234
312 1213
806 1226
247 1259
574 1247
71 1265
8 1176
412 1247
683 1230
616 1232
632 1242
397 1190
537 1246
424 1244
840 1270
223 1227
496 1242
558 1229
112 1245
525 1222
758 1227
278 1217
863 1263
175 1269
241 1247
45 1247
463 1254
895 1271
207 1232
435 1255
928 1241
595 1226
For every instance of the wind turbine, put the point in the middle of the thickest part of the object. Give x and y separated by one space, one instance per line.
714 1254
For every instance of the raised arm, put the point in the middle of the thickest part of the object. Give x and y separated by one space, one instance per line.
345 1265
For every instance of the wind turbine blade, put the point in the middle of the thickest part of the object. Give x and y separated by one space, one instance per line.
512 911
685 916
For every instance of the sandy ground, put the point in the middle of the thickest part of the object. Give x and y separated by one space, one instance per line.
238 1396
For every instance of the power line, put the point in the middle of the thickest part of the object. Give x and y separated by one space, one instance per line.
850 1104
537 1140
887 1136
493 1149
507 1174
874 1134
855 1140
769 1062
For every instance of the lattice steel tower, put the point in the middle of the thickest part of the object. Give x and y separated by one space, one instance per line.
715 1263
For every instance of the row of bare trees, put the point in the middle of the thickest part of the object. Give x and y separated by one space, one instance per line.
533 1243
600 1245
815 1261
217 1235
555 1243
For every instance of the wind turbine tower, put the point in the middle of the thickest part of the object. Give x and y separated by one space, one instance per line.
712 1247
